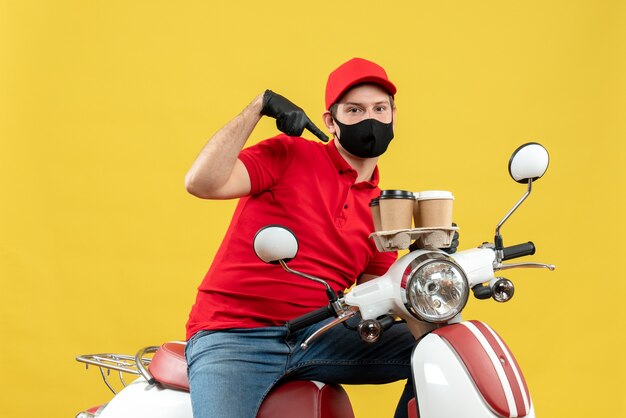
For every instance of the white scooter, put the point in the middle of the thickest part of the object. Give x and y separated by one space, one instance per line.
460 368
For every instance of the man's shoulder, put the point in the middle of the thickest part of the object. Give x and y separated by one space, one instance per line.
293 144
296 141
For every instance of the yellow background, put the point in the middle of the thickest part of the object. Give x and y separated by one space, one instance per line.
105 104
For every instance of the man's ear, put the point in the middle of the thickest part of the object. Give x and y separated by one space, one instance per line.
395 116
328 121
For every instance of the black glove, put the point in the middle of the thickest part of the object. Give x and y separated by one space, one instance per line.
290 119
454 244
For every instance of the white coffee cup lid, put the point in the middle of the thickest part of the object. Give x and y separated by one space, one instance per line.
434 194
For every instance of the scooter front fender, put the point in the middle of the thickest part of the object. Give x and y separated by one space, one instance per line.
141 400
466 370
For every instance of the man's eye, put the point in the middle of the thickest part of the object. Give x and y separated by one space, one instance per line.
381 108
353 110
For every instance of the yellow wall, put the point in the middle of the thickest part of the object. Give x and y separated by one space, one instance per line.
104 105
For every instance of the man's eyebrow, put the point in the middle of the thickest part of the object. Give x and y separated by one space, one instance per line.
384 102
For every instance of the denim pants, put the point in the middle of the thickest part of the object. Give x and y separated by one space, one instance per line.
231 371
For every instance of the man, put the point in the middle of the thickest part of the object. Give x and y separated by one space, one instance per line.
238 345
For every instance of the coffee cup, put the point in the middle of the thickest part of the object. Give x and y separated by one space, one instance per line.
433 209
396 209
375 208
416 209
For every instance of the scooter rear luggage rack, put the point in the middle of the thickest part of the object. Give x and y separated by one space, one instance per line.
121 363
118 362
427 238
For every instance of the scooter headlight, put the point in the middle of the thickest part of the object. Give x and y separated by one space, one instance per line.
436 288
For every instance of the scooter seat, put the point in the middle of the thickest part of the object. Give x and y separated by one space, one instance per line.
169 366
306 399
292 398
412 406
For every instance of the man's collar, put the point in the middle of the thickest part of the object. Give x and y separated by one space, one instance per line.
343 167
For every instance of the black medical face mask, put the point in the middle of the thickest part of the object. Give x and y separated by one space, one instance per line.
366 139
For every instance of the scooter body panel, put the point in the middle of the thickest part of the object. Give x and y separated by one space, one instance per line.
457 374
141 400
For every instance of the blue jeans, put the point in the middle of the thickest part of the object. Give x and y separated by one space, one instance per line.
231 371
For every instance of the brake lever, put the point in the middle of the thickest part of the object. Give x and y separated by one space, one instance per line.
344 316
500 266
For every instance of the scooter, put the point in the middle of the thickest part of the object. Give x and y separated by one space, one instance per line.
460 368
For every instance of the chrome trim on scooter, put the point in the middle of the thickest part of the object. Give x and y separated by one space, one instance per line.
517 205
139 357
343 316
306 276
410 274
499 266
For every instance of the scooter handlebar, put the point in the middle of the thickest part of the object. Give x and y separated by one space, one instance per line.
519 250
310 318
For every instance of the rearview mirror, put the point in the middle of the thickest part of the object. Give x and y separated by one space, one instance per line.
528 162
274 243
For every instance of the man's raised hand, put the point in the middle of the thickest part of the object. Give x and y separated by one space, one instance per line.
290 118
